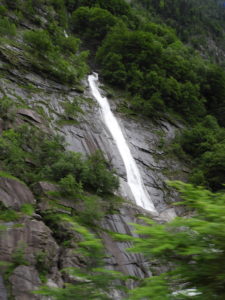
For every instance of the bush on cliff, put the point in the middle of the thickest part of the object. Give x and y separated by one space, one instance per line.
56 54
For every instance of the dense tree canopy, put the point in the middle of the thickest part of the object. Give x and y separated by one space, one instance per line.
156 74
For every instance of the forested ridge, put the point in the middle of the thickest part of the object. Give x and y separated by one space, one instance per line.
166 60
199 23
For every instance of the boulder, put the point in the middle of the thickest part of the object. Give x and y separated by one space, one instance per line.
13 193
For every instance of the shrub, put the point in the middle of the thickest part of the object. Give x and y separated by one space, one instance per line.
92 173
3 10
68 163
6 108
72 109
92 23
8 215
70 187
97 177
7 28
56 55
39 40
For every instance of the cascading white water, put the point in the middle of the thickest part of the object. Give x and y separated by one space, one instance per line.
133 175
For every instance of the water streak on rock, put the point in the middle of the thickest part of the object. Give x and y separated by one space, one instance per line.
133 175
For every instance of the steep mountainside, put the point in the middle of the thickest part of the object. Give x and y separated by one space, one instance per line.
64 195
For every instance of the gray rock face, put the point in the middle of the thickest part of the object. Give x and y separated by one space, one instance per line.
30 114
13 194
119 259
24 280
42 188
3 291
32 237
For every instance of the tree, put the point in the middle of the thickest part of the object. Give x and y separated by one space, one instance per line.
92 23
213 88
193 247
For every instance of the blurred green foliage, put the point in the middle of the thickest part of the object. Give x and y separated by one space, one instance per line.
192 248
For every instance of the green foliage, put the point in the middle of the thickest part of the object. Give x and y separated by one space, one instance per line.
11 153
8 215
96 175
68 163
157 73
31 155
56 54
73 109
196 22
201 137
213 165
7 175
92 173
39 40
62 16
7 28
92 23
93 209
213 88
18 256
27 209
205 144
116 7
155 288
42 265
70 187
194 248
12 4
3 10
6 111
17 259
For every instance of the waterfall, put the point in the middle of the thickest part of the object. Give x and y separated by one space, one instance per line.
134 180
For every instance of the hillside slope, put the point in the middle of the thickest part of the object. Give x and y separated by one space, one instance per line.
63 185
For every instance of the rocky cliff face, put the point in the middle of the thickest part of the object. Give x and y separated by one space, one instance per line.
28 242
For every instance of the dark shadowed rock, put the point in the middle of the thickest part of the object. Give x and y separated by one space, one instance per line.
30 114
13 194
1 125
32 117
